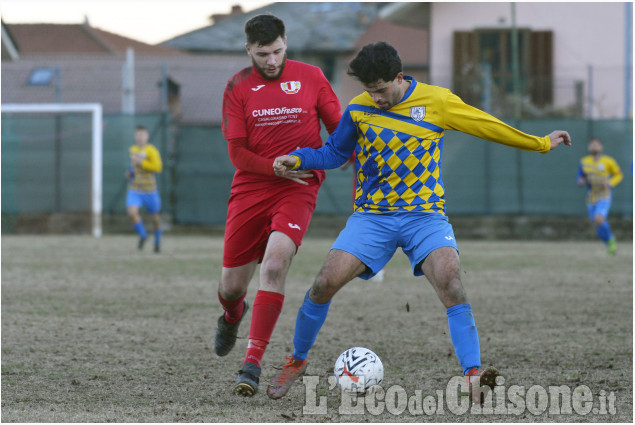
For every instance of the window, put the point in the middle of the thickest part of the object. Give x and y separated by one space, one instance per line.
483 68
328 67
42 76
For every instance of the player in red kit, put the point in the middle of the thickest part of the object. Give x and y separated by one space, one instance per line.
269 109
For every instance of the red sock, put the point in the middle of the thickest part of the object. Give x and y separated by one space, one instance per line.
233 309
267 308
255 351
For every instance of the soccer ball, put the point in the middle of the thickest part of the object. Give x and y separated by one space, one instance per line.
358 369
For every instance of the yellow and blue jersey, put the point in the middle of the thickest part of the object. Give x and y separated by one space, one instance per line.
143 179
600 176
398 151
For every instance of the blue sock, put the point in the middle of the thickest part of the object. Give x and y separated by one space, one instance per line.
464 336
140 229
157 237
604 232
311 317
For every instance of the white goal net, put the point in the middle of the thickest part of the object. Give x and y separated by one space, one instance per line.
52 160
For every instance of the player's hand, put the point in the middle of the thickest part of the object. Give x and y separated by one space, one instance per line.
559 136
282 167
297 176
284 163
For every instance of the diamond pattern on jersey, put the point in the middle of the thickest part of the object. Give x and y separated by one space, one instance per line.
398 171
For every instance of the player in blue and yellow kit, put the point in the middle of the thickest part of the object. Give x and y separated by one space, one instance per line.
396 129
599 173
145 162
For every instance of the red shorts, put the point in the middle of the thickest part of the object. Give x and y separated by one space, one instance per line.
251 217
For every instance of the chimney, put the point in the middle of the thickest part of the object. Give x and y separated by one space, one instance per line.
219 17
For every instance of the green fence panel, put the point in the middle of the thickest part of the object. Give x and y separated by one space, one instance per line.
10 167
480 178
336 194
46 163
203 175
486 178
548 182
464 167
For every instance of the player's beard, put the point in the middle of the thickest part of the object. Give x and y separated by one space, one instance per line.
261 70
387 104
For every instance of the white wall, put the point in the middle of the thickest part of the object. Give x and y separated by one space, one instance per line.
585 34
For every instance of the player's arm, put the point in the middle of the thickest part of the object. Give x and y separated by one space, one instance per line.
244 159
335 152
581 176
329 108
615 173
468 119
235 132
130 171
152 162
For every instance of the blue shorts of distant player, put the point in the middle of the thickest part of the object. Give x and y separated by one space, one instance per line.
600 207
374 237
150 201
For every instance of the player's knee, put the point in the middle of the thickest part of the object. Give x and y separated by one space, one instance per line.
598 220
457 294
323 289
231 292
133 213
451 291
274 271
449 277
231 289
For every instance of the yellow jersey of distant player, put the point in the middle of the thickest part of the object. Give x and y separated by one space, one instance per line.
143 179
601 176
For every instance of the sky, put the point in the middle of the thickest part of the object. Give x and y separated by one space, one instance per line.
149 21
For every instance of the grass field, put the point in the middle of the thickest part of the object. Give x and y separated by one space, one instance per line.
94 331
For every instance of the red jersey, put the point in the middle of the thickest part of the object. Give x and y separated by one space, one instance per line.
277 116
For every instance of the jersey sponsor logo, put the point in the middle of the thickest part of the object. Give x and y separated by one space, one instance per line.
275 111
294 226
290 87
418 113
449 238
258 87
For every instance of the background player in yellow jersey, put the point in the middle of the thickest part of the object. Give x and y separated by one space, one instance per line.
599 173
396 129
145 162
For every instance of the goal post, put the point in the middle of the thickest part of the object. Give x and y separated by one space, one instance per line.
95 109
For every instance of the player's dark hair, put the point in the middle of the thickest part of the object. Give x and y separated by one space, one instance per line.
374 62
263 30
141 127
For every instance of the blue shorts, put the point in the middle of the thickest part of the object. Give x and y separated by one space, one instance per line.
151 201
600 207
374 238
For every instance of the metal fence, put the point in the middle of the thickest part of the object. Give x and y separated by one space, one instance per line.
480 178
